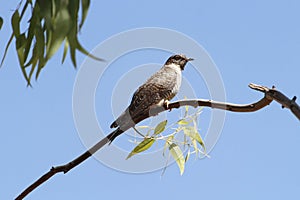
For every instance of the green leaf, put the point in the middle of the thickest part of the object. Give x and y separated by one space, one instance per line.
169 141
15 22
195 145
160 127
66 46
84 51
187 156
178 156
72 44
73 55
42 63
6 48
40 47
75 45
33 61
73 9
57 22
20 43
61 27
1 22
194 134
142 146
183 122
85 4
45 12
34 21
54 4
186 110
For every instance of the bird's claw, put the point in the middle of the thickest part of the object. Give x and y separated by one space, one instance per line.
166 105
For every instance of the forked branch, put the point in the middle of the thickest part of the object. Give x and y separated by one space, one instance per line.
270 94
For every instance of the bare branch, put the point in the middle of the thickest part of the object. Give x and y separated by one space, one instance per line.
270 95
279 97
65 168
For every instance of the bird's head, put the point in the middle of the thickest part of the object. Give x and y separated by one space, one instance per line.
179 60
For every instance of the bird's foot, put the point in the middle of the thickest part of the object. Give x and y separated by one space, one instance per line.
166 105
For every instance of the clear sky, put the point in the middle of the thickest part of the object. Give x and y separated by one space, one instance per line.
257 155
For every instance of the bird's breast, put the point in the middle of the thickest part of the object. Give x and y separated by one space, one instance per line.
177 83
174 78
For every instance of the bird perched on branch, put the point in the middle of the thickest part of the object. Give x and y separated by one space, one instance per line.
156 91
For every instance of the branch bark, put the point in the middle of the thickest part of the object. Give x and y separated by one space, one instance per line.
270 94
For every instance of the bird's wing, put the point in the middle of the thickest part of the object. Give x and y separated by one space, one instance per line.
145 97
157 88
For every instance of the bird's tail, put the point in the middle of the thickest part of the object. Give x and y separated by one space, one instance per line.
121 119
114 134
124 120
114 124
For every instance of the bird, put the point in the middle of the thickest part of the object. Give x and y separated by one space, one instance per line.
161 87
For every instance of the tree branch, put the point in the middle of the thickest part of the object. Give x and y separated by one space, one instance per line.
279 97
270 95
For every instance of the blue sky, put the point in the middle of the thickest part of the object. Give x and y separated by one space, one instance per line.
256 156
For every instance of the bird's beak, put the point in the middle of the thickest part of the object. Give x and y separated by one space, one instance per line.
190 59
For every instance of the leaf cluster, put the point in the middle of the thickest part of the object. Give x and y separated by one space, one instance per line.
52 23
180 151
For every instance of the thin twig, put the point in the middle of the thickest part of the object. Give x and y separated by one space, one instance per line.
138 132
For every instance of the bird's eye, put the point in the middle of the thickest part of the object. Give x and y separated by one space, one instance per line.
177 57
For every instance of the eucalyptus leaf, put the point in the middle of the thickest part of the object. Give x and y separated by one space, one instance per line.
85 4
194 134
1 22
195 145
84 51
20 44
186 110
73 55
60 30
142 146
66 46
6 48
15 22
33 61
73 7
169 141
182 122
160 127
178 156
187 156
51 24
34 20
